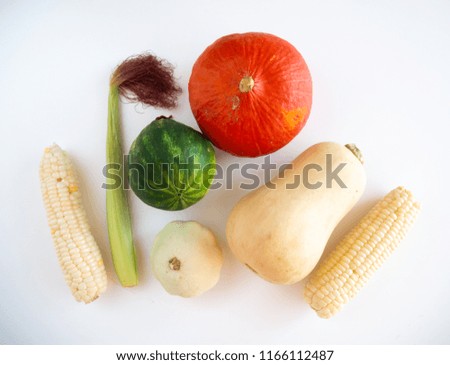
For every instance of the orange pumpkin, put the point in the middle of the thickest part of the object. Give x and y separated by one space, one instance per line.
250 93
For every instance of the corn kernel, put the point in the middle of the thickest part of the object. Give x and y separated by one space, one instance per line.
363 250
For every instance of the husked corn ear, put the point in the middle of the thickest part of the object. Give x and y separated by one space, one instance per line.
77 251
361 252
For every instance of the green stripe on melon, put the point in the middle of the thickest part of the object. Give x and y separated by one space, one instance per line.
170 165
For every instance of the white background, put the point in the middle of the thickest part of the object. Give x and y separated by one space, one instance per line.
381 79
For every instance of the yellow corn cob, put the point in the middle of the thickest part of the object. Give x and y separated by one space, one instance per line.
77 251
361 252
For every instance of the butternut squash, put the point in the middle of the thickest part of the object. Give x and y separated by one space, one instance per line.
280 230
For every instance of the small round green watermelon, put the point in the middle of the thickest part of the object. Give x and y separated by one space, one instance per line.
170 165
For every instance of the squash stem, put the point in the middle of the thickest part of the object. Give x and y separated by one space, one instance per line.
356 151
246 84
117 210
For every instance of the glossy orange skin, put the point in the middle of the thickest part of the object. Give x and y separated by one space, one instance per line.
267 117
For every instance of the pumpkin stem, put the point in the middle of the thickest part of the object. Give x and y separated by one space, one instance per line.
246 84
356 151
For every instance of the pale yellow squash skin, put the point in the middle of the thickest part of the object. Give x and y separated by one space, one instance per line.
281 233
186 258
